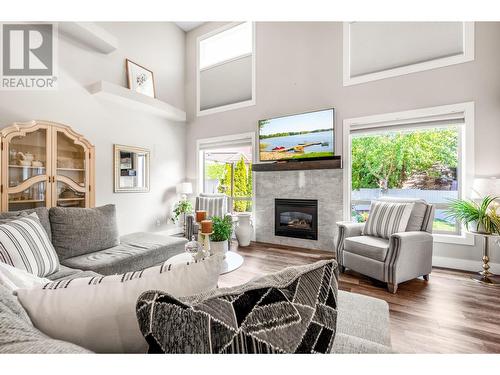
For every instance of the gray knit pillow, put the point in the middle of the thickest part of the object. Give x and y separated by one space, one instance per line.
292 311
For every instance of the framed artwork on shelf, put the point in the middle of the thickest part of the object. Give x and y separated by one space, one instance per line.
140 79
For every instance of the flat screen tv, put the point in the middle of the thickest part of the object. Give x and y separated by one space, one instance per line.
304 136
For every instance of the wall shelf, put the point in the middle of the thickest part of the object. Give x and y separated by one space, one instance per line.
298 165
135 100
89 34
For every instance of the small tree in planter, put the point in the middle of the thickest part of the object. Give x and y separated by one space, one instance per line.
222 229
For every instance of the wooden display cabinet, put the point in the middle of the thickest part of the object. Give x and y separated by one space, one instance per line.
45 164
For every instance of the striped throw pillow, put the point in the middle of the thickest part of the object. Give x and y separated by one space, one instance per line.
24 244
387 218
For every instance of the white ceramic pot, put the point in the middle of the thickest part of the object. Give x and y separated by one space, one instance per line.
244 229
219 247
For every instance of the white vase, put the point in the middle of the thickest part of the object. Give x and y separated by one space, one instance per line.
244 229
219 247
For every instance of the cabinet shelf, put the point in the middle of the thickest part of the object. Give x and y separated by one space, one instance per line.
27 201
71 169
25 167
70 199
135 100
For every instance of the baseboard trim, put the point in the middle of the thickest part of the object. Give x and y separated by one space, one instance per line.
463 264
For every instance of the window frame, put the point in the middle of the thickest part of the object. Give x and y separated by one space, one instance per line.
466 153
200 160
227 107
466 56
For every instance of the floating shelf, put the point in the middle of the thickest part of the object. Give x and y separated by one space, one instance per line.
89 34
135 100
298 165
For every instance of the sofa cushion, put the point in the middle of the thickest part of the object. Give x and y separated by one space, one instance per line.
367 246
291 311
135 252
18 335
41 212
98 313
77 231
24 244
364 317
416 220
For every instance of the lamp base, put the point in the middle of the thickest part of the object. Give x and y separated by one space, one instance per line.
491 280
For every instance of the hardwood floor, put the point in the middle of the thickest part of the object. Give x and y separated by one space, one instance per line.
448 314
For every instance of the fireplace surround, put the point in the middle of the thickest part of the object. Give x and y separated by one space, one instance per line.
296 218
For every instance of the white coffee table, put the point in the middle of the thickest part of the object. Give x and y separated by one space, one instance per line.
232 261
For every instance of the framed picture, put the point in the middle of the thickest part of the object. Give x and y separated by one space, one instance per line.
140 79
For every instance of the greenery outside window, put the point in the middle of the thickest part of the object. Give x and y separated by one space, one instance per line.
414 162
229 171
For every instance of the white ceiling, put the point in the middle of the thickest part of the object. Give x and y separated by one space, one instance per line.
187 26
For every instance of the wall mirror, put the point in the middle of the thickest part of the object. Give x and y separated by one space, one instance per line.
131 165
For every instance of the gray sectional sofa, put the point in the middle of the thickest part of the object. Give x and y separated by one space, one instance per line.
103 252
362 322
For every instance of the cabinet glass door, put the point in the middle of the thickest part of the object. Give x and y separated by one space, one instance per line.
27 171
71 172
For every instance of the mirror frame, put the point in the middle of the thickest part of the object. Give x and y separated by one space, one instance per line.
116 169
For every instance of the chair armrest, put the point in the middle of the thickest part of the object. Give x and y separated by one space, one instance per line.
409 256
346 229
350 229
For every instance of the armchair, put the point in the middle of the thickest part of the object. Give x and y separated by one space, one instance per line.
404 256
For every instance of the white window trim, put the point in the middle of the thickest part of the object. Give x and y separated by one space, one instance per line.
467 154
227 107
468 55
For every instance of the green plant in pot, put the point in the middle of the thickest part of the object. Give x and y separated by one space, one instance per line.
222 228
181 209
477 217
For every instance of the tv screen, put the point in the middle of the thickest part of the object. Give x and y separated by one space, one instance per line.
297 137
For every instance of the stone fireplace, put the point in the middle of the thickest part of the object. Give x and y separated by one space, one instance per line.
322 187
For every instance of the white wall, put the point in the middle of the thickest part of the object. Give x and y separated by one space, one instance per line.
161 48
299 68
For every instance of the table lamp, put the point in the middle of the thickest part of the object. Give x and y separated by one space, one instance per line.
184 188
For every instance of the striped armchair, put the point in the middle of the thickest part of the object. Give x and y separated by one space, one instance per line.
215 205
403 256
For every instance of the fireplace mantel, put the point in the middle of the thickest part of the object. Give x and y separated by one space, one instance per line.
298 165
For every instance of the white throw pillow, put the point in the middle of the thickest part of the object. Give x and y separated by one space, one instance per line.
98 313
24 244
14 278
387 218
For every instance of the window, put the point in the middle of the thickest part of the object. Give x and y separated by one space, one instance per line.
226 72
378 50
226 168
414 154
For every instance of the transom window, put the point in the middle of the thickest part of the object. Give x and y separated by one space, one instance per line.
226 69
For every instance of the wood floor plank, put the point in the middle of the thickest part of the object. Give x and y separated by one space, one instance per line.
449 314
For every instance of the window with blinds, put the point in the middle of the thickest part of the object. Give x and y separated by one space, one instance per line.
418 158
226 68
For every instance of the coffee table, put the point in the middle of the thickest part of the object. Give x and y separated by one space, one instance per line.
232 261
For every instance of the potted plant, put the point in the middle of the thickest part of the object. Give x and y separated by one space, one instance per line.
479 216
222 229
182 208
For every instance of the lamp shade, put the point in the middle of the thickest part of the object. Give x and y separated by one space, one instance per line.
184 188
483 187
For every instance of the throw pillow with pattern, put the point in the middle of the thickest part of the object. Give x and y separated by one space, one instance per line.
292 311
24 244
387 218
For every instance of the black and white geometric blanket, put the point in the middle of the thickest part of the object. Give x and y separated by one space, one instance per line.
292 311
